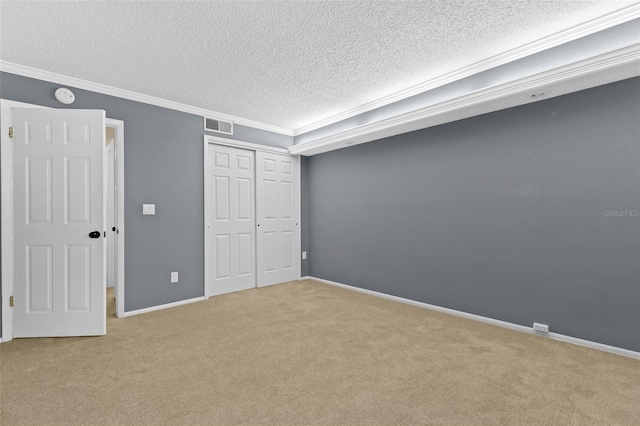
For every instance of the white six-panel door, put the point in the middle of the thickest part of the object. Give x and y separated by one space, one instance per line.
58 201
231 220
277 216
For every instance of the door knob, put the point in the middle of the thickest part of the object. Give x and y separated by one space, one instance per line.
94 234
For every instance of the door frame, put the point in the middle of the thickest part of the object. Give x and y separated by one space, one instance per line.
118 161
208 199
6 179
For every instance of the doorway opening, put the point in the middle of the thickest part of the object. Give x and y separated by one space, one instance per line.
114 214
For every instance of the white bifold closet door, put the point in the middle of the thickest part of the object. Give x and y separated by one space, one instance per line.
232 221
277 215
251 212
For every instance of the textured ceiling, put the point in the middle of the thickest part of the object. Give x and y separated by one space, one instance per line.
283 63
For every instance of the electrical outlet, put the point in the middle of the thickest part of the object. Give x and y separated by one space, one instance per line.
149 209
174 277
541 328
304 255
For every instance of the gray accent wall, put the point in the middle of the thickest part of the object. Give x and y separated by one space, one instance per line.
163 165
523 215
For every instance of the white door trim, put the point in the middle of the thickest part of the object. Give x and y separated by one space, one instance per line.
299 208
245 145
118 125
208 201
208 206
6 153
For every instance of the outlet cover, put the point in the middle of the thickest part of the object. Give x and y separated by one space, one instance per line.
148 209
540 328
304 255
174 277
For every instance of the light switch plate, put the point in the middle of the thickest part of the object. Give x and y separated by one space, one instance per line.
148 209
174 277
304 255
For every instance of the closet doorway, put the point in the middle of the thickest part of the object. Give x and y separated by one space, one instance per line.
251 216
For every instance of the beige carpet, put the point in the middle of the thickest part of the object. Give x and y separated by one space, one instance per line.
308 353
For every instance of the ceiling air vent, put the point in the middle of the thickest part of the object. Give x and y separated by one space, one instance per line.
215 125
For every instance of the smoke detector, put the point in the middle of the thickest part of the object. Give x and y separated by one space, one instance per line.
65 96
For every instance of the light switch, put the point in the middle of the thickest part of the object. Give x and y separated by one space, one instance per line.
148 209
304 255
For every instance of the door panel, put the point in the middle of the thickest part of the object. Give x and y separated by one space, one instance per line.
78 278
38 132
38 190
77 190
287 200
277 216
77 133
58 200
231 226
245 204
221 197
39 279
222 262
268 251
287 249
269 198
245 254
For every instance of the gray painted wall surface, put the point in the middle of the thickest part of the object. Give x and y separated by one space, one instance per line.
163 165
501 215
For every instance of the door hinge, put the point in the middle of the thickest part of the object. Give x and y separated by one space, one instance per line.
11 132
11 301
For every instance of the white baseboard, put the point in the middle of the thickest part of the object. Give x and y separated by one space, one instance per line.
307 278
160 307
504 324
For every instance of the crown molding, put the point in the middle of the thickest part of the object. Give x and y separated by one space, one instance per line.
616 18
627 56
582 30
39 74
